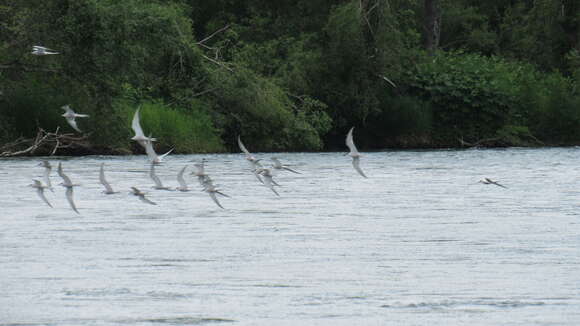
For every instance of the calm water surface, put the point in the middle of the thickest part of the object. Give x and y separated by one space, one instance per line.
418 243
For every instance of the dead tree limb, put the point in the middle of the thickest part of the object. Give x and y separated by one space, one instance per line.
213 34
47 143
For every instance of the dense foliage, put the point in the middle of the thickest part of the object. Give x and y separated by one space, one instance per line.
294 74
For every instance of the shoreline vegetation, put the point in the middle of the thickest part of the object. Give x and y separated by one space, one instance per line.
289 75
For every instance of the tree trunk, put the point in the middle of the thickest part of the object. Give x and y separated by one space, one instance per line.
571 22
432 26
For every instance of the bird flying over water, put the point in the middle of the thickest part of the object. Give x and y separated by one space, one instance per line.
249 155
153 157
212 190
139 135
41 50
71 116
155 178
67 183
488 181
47 169
279 166
103 181
254 162
182 184
40 190
268 180
200 172
144 141
141 196
354 153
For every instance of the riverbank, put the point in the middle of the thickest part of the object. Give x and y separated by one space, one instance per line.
71 146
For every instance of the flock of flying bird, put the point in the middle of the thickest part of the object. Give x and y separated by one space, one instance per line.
264 175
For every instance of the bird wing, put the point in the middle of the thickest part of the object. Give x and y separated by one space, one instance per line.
212 195
180 178
40 192
68 110
154 177
69 197
289 169
47 178
81 115
136 125
59 169
258 176
64 177
350 142
160 157
151 152
356 165
103 180
38 48
277 163
146 200
72 122
495 183
243 148
268 183
256 168
221 193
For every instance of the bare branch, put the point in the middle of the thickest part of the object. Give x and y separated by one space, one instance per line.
27 68
221 64
48 142
205 91
213 34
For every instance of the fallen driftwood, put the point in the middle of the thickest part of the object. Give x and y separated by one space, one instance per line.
45 143
528 140
487 142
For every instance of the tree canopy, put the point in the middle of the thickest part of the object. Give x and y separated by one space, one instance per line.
295 74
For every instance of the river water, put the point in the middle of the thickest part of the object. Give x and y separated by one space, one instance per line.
419 242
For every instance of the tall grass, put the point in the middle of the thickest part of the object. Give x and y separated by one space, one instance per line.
186 130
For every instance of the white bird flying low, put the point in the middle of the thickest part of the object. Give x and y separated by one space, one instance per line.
156 180
182 184
354 153
71 116
488 181
254 162
279 166
41 50
268 180
40 190
141 196
67 183
249 155
200 172
153 157
211 189
139 135
47 169
108 189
